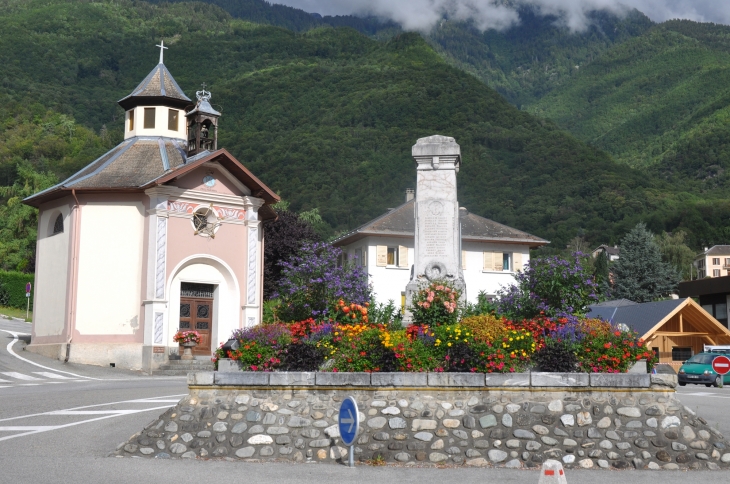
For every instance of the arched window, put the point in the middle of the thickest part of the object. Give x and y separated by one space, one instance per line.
58 225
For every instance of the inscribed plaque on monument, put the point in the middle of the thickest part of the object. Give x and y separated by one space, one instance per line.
438 230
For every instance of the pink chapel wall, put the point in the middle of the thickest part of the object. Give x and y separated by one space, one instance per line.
229 245
194 181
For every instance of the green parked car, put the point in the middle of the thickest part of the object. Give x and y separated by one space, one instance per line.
698 369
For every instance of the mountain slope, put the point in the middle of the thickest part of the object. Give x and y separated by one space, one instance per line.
529 60
327 117
653 99
522 63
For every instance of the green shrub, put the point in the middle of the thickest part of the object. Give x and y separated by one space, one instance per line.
12 289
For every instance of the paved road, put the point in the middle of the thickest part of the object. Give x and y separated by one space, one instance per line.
62 425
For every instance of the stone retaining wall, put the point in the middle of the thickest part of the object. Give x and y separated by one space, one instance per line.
596 421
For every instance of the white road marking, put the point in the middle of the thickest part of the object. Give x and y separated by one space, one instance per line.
37 430
20 376
151 401
5 381
19 429
90 412
48 374
10 350
142 400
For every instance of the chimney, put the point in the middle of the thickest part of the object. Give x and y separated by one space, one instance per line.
410 194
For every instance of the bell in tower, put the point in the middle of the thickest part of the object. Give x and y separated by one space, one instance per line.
202 125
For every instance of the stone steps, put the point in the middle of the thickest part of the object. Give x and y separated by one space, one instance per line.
183 367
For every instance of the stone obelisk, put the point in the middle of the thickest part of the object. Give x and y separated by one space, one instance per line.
438 234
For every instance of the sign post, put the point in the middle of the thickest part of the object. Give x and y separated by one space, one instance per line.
27 296
349 422
721 365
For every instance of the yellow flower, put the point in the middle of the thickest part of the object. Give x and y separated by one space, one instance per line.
510 339
449 343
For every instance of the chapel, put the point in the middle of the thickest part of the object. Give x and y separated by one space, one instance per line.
163 232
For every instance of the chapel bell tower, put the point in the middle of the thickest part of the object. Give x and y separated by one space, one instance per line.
202 125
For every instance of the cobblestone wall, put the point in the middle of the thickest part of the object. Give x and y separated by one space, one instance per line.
580 426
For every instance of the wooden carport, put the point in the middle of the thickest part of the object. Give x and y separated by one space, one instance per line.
675 328
687 326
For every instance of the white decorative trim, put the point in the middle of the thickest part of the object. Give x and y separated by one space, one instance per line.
197 196
180 207
253 238
251 322
160 257
158 328
225 213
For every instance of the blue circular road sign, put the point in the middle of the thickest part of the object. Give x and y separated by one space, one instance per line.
349 420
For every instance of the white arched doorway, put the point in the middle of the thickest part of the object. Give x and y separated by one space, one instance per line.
204 271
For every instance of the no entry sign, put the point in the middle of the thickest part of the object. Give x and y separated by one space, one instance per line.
721 365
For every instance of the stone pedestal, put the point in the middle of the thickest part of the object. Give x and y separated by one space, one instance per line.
438 233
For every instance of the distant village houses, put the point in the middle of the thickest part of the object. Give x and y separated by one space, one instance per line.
612 253
713 262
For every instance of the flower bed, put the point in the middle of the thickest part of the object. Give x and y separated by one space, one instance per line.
484 344
540 326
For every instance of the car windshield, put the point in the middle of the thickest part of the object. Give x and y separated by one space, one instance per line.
702 359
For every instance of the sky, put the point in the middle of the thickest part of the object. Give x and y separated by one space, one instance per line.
500 14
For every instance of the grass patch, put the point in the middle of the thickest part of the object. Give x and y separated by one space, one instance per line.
16 313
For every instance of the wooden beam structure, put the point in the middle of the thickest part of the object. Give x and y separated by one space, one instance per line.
679 333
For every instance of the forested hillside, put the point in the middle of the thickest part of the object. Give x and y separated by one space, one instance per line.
326 117
523 63
658 99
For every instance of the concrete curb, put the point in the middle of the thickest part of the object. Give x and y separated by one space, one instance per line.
535 380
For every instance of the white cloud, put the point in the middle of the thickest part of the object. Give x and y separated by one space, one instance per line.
500 14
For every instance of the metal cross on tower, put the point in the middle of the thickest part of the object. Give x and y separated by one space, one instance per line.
162 47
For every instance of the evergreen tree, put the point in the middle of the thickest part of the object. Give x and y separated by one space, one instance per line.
601 274
640 274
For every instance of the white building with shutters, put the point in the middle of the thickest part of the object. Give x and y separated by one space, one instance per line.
491 253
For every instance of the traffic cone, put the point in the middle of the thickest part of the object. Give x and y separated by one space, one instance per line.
552 473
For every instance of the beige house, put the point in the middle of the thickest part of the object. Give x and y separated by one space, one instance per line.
491 253
713 262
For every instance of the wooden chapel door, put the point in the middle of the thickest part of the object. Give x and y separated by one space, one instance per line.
196 313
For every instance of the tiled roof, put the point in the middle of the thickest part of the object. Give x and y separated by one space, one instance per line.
203 106
159 87
639 317
131 164
401 221
717 250
140 163
616 303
